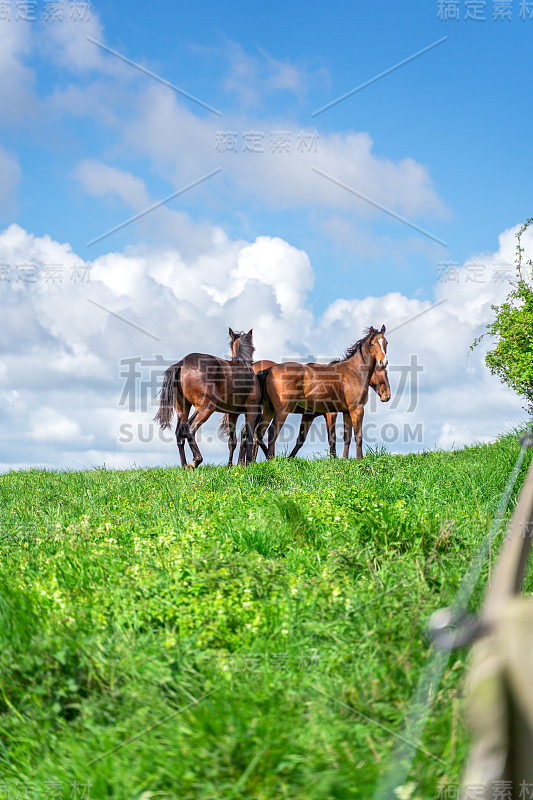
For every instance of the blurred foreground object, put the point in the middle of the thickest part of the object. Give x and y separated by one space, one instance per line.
499 685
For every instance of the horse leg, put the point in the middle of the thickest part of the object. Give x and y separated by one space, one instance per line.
331 419
200 416
305 424
242 448
248 452
181 429
255 442
232 437
347 434
274 430
261 428
180 441
250 424
260 444
356 415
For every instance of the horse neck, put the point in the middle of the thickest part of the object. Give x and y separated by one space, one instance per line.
239 360
235 350
363 358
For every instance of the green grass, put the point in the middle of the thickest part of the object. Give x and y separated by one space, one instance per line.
246 633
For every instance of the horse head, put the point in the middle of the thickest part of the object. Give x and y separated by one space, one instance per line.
380 383
242 346
378 346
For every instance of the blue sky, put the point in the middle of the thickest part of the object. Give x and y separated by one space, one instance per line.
461 111
88 140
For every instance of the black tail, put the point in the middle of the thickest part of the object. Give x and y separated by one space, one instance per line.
261 377
169 389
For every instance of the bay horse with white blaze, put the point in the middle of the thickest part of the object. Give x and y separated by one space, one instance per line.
212 384
341 386
379 381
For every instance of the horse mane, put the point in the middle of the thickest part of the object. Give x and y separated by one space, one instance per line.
245 353
357 346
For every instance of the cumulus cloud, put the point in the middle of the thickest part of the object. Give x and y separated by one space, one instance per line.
50 426
68 42
272 159
262 156
84 342
457 400
75 327
151 122
80 366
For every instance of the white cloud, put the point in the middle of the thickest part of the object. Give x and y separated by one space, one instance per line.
251 78
17 95
152 122
68 42
62 368
180 145
64 360
160 224
50 426
101 180
265 261
69 353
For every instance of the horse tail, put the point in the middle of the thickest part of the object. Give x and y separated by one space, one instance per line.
168 394
262 378
223 428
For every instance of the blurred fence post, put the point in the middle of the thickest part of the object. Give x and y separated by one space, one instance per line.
499 686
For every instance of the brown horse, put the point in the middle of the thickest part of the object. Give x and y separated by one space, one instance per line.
340 386
379 381
212 384
224 427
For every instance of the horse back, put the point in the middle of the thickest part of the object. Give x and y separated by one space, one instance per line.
314 388
229 385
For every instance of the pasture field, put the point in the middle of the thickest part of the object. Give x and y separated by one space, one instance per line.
247 633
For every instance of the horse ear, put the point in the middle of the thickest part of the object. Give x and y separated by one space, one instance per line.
383 329
232 335
250 332
372 329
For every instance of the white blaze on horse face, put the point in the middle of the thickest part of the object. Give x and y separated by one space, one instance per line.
381 343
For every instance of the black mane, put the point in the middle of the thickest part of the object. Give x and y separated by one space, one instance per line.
245 353
369 333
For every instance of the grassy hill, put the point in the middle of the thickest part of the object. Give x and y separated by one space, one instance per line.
255 632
